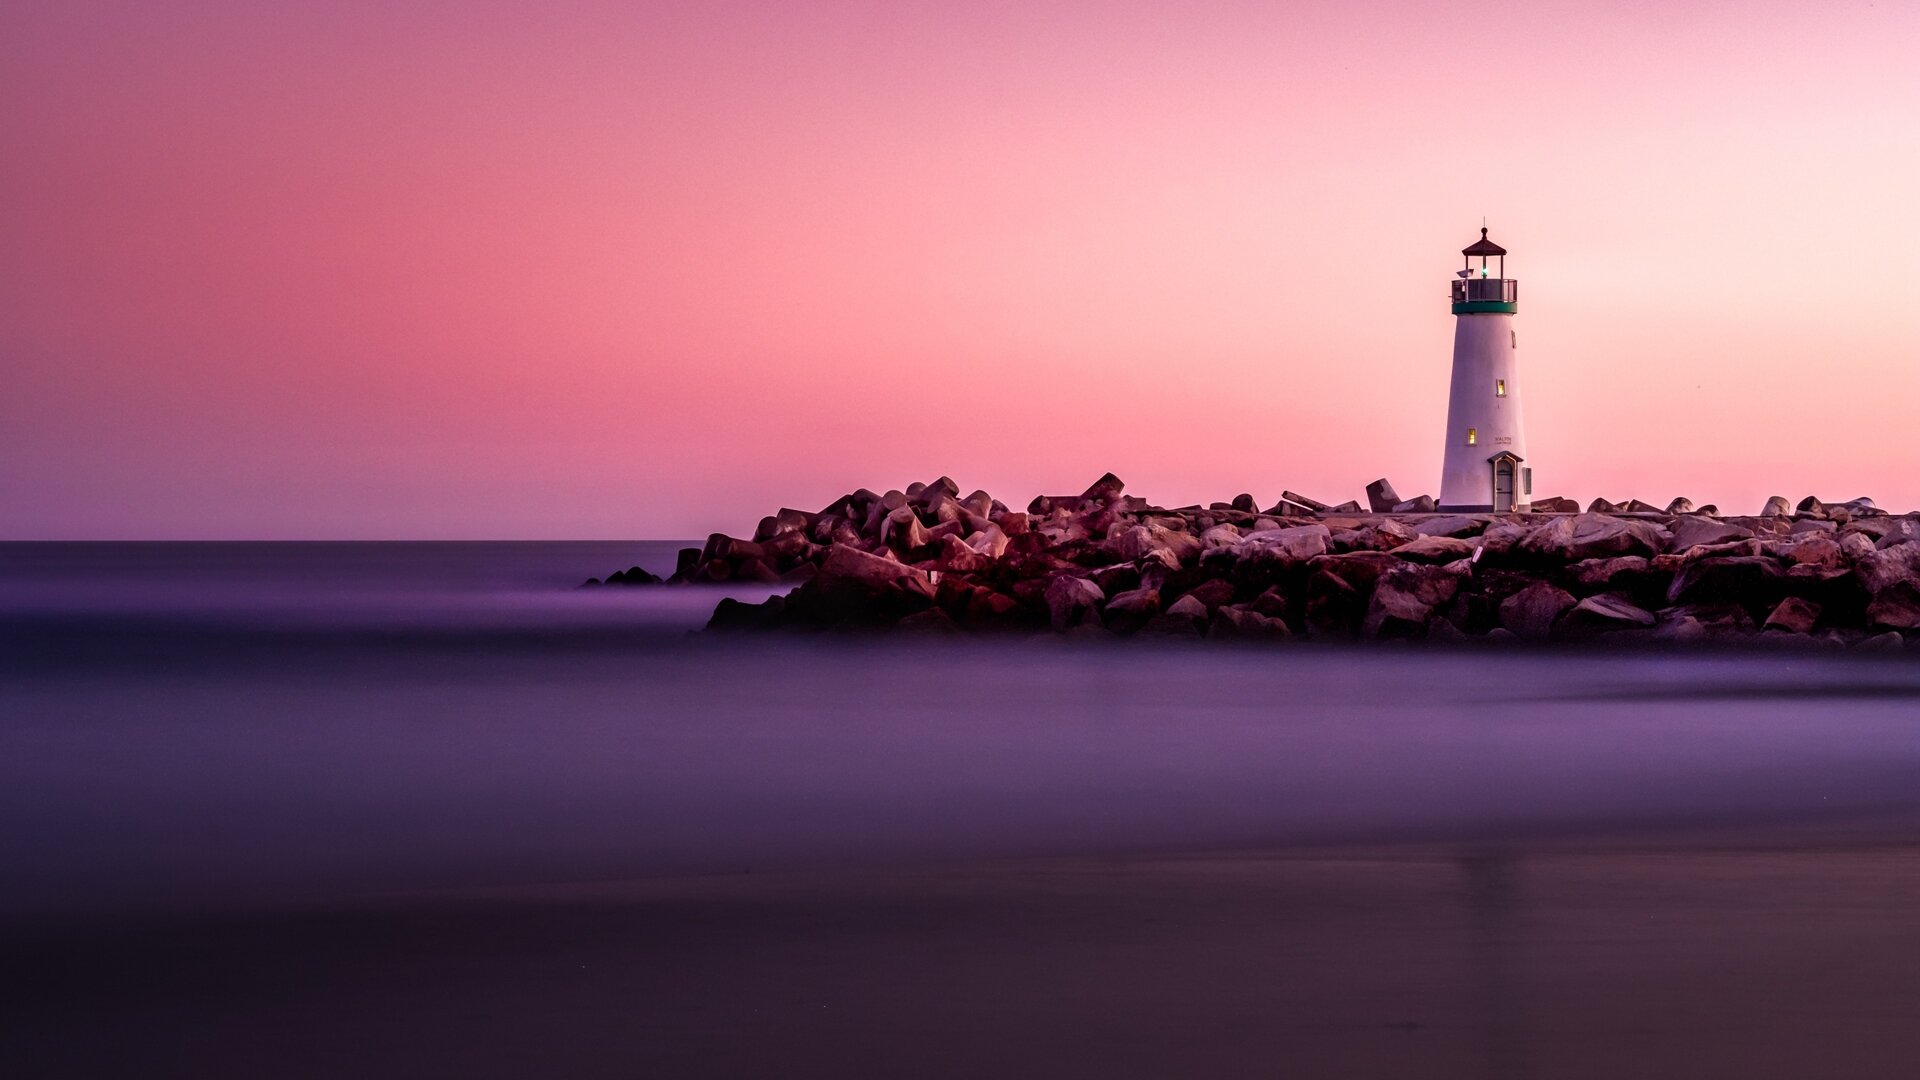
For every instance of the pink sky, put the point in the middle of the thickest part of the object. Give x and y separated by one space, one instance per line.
604 269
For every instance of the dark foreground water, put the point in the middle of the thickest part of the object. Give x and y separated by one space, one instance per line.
425 809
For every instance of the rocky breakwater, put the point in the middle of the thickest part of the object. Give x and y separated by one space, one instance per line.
1102 563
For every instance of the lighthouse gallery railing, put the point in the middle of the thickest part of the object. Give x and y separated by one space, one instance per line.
1506 289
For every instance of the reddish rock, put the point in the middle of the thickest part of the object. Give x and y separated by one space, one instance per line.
1130 610
1405 597
1072 600
1896 607
1753 581
1794 616
1530 613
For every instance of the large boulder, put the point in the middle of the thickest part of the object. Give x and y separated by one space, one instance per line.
1630 574
1290 545
1130 610
1211 593
957 558
1794 616
902 530
1232 622
1887 567
1592 536
1419 504
1555 504
1777 506
1896 607
1434 549
1904 530
1184 617
1105 489
1171 545
1072 600
1755 582
1602 614
1810 549
1405 597
1452 525
1680 505
1383 535
852 586
1692 531
1530 613
1381 496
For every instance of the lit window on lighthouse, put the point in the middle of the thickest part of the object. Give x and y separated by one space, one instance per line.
1473 436
1499 388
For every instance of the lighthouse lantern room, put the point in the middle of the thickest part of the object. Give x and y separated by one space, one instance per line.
1486 464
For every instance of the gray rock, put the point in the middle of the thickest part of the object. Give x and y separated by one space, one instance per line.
1419 504
902 530
1298 499
1592 536
1690 531
1289 508
1621 573
1296 544
1554 504
1777 506
1381 496
1529 613
1106 489
1681 505
1887 567
1434 549
1455 525
1147 541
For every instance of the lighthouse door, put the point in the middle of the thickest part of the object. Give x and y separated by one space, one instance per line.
1503 470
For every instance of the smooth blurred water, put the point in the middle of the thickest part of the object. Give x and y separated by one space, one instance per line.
223 725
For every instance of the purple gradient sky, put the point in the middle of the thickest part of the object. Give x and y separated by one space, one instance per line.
605 269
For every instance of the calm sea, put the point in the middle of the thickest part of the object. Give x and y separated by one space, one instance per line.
220 725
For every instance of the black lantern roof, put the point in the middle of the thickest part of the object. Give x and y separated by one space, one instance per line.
1482 246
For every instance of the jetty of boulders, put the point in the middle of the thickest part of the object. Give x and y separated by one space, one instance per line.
1103 563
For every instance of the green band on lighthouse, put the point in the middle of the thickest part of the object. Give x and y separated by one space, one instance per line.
1485 307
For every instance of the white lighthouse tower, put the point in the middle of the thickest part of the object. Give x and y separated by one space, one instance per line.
1486 463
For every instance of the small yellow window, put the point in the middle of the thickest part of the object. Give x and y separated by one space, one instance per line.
1499 388
1473 436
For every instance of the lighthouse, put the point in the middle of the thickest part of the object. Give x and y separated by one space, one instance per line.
1486 462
